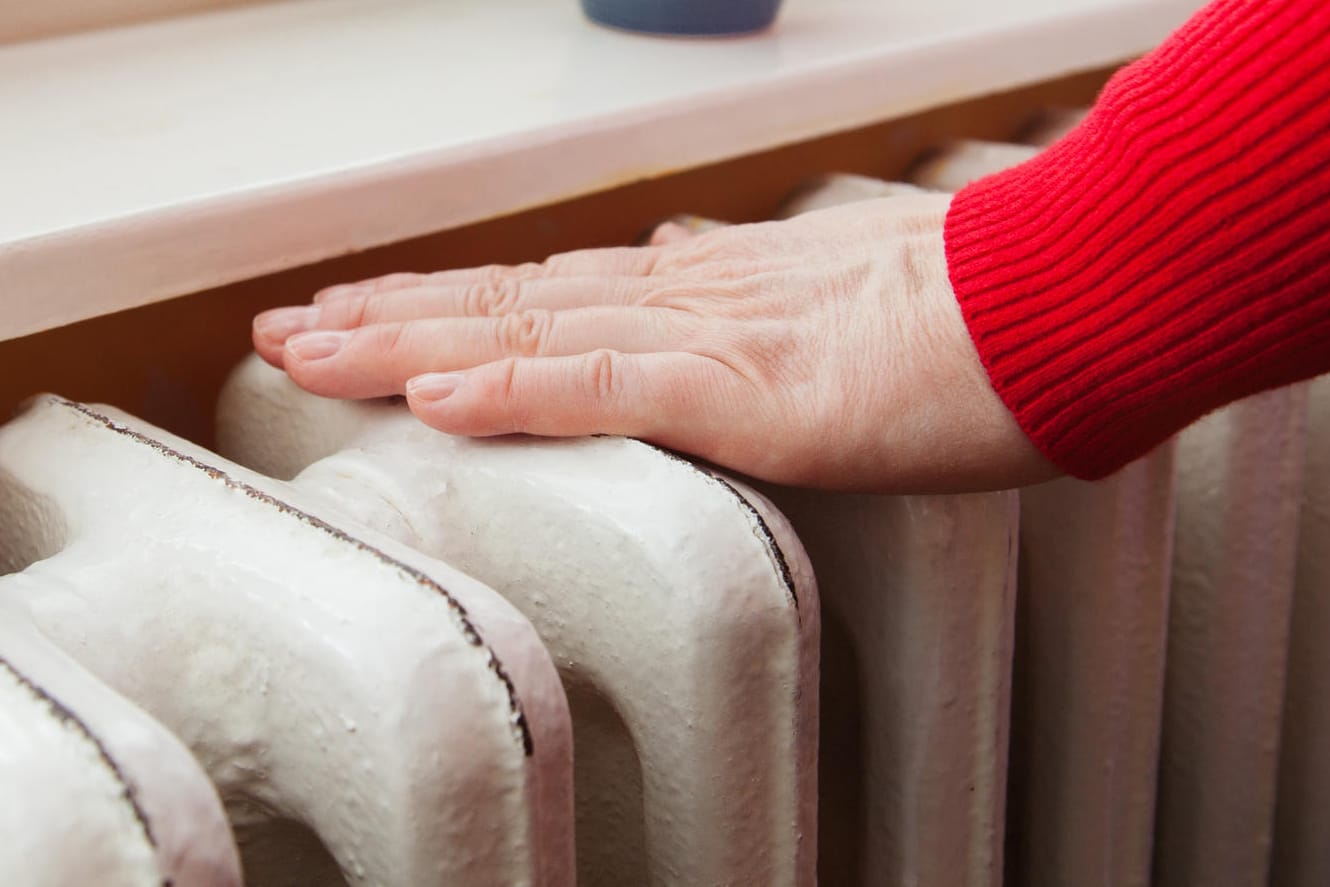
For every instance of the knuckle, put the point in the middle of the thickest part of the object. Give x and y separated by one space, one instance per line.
505 381
665 259
476 300
525 333
352 311
505 392
496 275
604 370
492 298
391 339
493 275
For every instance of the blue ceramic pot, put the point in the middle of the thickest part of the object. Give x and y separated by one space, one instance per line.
683 16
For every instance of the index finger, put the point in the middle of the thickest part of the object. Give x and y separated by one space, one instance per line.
615 261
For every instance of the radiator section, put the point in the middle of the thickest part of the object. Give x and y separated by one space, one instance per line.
48 767
955 166
95 790
918 596
834 190
1302 821
419 731
1091 629
678 605
1239 482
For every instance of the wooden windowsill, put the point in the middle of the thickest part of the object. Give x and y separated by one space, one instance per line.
150 161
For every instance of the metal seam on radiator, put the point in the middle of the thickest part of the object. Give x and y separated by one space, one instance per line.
67 715
469 631
760 528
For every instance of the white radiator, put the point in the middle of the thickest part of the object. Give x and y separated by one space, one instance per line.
1116 683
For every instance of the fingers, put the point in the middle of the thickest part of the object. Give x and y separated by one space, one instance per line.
482 299
669 232
273 328
662 397
610 261
377 360
681 227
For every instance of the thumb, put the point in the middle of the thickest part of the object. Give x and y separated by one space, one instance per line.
659 396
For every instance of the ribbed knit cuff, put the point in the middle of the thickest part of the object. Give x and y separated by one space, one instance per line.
1173 252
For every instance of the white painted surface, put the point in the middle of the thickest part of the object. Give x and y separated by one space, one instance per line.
66 818
150 161
683 617
403 711
962 162
93 790
1053 124
917 596
23 20
1239 486
1089 676
838 188
1302 824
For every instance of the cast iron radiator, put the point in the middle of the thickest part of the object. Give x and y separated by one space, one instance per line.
347 649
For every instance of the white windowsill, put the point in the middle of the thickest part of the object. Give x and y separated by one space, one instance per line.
145 162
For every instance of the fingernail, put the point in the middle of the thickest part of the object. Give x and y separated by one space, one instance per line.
281 323
317 346
434 386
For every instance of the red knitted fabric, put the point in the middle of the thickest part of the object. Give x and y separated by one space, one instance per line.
1169 255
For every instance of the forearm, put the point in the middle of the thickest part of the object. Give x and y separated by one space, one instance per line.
1171 254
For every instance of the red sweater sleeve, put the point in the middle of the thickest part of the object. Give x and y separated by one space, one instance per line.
1173 252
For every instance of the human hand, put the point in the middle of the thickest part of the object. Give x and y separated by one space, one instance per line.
827 350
